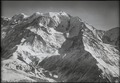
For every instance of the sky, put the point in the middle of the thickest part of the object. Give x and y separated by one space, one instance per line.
103 15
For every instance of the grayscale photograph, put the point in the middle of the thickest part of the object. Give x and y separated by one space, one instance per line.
60 41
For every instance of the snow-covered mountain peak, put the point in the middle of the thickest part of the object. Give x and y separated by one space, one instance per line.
59 43
37 13
25 16
63 13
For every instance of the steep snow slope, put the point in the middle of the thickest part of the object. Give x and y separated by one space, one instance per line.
30 40
18 71
81 38
60 43
106 55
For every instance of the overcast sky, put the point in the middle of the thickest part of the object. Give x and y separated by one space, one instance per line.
100 14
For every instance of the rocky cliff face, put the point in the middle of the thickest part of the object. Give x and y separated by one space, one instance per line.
112 37
55 47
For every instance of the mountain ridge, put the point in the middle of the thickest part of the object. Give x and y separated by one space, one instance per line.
39 37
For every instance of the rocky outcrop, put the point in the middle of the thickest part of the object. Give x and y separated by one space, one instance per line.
112 37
